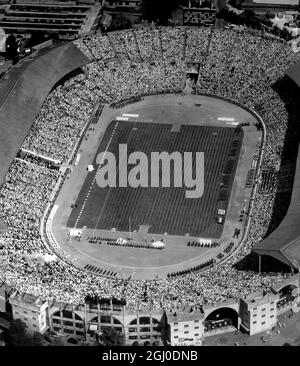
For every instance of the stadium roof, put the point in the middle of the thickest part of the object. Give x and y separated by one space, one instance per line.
274 3
23 91
294 73
284 243
277 2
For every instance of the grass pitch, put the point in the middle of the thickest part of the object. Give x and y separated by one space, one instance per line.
162 210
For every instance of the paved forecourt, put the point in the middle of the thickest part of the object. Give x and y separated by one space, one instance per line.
105 212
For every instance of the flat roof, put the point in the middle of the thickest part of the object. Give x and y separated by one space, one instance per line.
186 314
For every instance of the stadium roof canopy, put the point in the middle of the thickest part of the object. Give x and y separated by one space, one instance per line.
23 91
293 72
284 243
275 5
277 2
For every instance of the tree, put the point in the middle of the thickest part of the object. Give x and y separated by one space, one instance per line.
276 30
285 34
112 337
157 343
235 3
38 339
249 13
248 17
3 338
11 47
269 15
17 335
58 342
36 38
265 20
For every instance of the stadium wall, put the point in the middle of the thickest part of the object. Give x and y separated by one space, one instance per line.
23 91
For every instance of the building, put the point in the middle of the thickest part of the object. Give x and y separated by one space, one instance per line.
188 326
185 327
85 322
67 20
258 312
129 5
270 6
126 9
288 20
31 310
143 327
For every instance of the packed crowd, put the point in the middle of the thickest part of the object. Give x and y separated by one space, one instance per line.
237 65
228 72
60 121
23 199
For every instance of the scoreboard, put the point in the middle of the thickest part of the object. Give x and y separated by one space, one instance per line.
199 16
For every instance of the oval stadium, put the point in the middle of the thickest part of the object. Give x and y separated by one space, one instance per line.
211 251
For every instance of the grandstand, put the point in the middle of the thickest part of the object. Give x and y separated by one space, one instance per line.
67 20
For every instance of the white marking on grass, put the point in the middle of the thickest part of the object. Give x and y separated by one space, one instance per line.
94 179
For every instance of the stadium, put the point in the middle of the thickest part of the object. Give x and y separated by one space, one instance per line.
231 94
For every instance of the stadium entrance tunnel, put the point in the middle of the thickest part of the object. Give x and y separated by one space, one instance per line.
105 322
221 319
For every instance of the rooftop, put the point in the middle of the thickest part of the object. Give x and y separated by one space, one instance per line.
260 298
26 299
188 313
